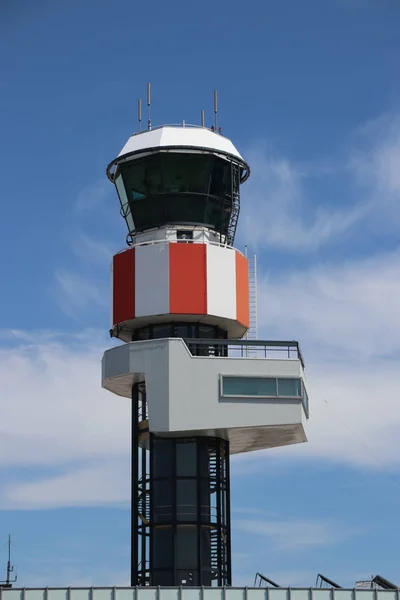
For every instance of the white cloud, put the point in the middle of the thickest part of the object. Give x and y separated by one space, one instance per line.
93 195
347 321
76 293
53 408
351 308
292 534
91 250
277 210
281 209
105 483
376 159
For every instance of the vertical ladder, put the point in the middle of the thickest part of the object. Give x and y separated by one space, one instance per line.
252 332
235 178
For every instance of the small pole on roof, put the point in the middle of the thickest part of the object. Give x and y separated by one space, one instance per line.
139 113
215 109
148 105
202 118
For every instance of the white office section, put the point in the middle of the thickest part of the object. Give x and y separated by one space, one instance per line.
151 280
221 282
184 394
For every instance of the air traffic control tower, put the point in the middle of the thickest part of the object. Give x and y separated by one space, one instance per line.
200 391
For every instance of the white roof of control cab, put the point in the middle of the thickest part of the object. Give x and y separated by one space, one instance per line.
181 137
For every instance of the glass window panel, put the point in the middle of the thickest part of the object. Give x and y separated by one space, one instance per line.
186 548
207 331
162 501
163 458
142 178
186 173
163 548
186 500
184 331
289 387
249 386
163 331
221 178
186 458
125 208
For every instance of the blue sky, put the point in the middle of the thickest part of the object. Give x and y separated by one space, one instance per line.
309 93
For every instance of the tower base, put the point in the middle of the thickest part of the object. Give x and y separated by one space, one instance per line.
180 506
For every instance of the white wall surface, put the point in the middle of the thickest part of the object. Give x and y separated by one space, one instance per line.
221 282
152 279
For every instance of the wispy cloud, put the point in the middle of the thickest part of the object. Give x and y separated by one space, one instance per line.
93 195
62 490
77 293
292 534
351 307
282 209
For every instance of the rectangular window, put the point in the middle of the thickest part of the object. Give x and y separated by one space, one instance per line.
260 387
289 387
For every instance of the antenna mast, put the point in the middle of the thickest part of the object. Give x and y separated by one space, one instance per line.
10 569
215 109
148 105
139 114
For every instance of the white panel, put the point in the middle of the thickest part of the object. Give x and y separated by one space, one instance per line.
221 282
151 280
180 136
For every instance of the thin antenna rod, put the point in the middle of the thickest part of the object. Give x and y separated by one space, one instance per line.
215 109
148 105
202 118
139 113
10 569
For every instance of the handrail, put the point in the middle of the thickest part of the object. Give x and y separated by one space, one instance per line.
273 345
182 125
166 241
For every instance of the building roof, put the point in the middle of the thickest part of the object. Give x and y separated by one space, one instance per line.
169 136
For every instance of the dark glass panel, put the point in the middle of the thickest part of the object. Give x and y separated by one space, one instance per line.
186 173
176 188
221 184
163 457
186 500
163 501
163 548
163 331
186 458
186 547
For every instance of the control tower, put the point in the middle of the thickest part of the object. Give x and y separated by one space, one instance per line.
181 309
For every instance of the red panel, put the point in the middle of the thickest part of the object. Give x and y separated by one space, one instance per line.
124 286
242 290
188 279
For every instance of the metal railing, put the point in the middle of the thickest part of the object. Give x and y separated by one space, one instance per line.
239 348
172 241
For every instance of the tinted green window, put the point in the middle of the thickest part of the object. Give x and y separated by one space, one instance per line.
249 386
261 386
289 387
